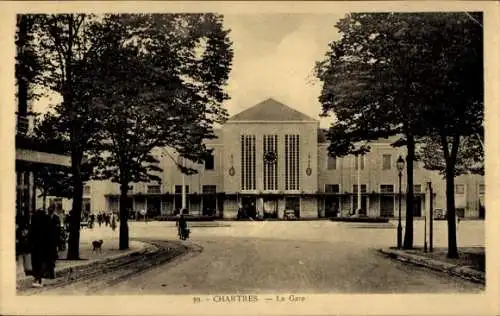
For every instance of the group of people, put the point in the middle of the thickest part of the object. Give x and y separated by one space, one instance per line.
108 219
38 241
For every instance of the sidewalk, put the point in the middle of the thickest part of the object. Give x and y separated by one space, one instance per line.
110 252
470 265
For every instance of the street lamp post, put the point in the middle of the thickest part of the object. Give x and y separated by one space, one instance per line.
400 164
358 211
183 190
431 215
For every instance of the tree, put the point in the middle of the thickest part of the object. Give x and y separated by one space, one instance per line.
63 46
409 74
470 156
371 82
159 81
455 95
54 180
28 64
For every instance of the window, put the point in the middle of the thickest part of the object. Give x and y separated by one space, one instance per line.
270 162
293 204
86 190
481 189
209 189
86 207
386 162
209 162
209 200
247 162
154 189
361 160
292 162
178 197
459 189
332 163
386 188
355 188
332 188
178 189
386 206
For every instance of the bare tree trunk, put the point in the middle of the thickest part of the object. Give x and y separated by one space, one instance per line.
76 152
450 205
451 159
76 212
124 238
408 239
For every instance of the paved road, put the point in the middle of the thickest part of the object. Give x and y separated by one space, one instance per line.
270 257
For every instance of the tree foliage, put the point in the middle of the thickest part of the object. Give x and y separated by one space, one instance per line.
470 155
371 84
412 74
455 112
158 81
55 180
63 44
28 68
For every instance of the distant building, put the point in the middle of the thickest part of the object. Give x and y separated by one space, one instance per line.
271 158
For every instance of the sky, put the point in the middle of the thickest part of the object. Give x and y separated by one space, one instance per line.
274 57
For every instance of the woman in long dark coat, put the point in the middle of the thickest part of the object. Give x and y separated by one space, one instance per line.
41 242
55 241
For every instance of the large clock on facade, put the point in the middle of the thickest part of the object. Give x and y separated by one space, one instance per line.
270 157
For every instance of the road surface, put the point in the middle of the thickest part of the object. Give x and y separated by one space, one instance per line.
288 257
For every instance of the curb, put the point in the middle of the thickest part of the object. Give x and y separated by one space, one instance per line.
86 268
110 272
464 272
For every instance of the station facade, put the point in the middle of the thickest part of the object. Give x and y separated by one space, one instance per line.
270 160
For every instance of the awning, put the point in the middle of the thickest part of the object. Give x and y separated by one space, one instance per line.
40 157
460 203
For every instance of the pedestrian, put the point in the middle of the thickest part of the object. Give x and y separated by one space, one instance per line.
41 246
143 214
99 219
66 220
106 219
54 242
113 221
59 230
91 220
182 225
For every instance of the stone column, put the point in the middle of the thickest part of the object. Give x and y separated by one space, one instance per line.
281 208
368 211
260 206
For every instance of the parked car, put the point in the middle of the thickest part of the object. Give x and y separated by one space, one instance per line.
290 214
439 214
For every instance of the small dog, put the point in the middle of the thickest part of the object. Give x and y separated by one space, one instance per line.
97 245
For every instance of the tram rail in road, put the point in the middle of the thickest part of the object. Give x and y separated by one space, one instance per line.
111 273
